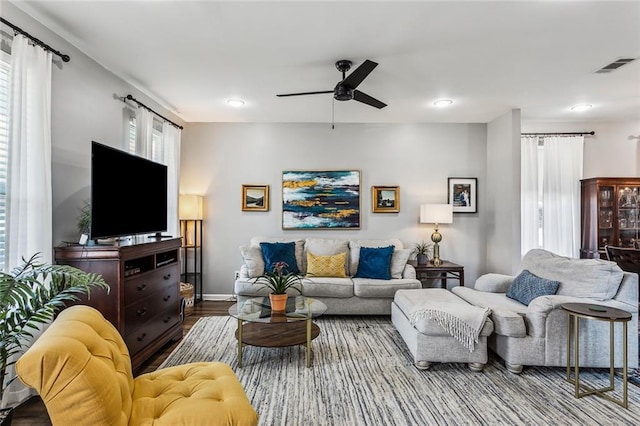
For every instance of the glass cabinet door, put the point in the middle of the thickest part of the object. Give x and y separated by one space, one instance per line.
605 216
628 206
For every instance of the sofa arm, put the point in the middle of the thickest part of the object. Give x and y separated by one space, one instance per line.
494 283
409 272
244 272
545 304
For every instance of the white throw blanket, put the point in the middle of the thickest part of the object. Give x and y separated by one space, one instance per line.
463 322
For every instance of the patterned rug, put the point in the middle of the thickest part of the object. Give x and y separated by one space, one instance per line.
362 374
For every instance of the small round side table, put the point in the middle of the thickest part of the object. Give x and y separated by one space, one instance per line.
576 311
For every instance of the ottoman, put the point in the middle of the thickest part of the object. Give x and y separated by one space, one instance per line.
427 340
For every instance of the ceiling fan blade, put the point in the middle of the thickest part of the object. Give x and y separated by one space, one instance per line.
355 78
366 99
304 93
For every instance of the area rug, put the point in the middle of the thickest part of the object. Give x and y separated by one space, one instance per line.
362 374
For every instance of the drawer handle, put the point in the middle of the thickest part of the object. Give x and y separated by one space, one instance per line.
141 338
167 319
166 298
141 287
141 312
167 276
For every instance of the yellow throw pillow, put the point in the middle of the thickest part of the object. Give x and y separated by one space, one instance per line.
326 266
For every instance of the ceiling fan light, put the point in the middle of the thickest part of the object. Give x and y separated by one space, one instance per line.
441 103
235 102
581 107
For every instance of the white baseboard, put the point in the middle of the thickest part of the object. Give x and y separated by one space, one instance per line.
219 297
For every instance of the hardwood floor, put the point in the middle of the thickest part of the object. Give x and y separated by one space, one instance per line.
33 411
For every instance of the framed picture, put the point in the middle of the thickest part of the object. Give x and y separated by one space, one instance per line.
463 194
327 199
255 198
385 199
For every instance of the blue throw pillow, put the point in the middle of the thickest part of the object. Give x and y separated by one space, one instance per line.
375 263
280 252
527 287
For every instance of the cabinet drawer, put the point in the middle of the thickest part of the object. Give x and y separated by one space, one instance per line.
137 314
138 287
151 330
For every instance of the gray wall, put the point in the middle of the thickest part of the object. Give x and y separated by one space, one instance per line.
218 158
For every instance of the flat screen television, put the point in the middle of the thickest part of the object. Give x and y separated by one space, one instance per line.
128 194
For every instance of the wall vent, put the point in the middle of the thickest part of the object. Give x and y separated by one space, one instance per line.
615 65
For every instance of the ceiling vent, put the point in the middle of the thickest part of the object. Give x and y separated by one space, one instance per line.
615 65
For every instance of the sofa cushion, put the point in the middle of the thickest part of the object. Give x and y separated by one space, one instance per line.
593 278
528 286
326 266
375 263
399 260
354 250
280 252
326 247
367 287
507 314
299 252
327 287
252 257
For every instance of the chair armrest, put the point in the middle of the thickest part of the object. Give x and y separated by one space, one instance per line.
494 283
244 272
546 304
409 271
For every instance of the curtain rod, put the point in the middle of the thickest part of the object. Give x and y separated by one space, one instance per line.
560 134
131 98
45 46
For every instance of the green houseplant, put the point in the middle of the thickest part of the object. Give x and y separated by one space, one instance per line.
278 280
423 249
84 218
30 295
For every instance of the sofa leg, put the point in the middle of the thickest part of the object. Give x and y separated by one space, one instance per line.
422 365
513 368
476 366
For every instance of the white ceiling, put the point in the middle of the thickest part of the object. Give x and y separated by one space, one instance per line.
489 57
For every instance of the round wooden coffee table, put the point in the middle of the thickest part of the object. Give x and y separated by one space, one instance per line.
259 326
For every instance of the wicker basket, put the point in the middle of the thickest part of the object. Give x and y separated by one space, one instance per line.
186 292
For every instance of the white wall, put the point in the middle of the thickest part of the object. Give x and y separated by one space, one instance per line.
218 158
83 109
503 193
614 150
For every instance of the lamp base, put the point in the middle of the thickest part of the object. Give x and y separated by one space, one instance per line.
436 237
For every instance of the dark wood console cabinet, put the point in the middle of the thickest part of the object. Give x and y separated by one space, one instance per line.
144 300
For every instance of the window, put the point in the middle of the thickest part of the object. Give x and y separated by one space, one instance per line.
5 61
156 137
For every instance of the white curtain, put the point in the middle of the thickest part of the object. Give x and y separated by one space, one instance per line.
144 133
529 189
171 146
29 206
563 157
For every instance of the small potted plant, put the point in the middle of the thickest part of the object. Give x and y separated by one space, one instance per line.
30 295
422 250
279 280
84 219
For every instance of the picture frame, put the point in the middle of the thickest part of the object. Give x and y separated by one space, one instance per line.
321 199
385 199
255 198
463 194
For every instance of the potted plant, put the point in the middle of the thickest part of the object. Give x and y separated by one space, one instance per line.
30 295
278 280
422 250
84 219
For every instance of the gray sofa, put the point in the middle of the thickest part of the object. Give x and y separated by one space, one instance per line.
537 334
343 296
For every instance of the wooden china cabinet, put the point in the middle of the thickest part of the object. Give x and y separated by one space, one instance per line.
610 215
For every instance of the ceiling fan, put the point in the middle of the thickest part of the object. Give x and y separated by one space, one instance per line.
345 90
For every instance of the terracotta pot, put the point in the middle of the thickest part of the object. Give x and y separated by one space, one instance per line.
278 302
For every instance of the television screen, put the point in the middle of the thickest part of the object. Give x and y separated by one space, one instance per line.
128 193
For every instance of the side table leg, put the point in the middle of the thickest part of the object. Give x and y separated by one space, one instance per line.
239 343
568 347
612 356
308 342
576 353
625 397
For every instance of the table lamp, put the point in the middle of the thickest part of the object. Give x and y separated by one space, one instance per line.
436 214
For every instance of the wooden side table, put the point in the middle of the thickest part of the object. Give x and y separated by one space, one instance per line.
575 311
446 271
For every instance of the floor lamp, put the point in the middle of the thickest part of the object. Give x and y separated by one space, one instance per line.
436 214
190 212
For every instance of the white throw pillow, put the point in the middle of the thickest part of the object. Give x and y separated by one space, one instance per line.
252 257
398 261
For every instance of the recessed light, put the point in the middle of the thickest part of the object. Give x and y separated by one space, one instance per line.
440 103
580 108
235 102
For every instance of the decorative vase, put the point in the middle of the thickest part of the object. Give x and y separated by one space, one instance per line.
278 302
422 259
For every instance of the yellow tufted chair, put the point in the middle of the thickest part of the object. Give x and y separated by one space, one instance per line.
80 366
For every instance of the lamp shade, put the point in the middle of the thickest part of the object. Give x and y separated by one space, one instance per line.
436 213
190 207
